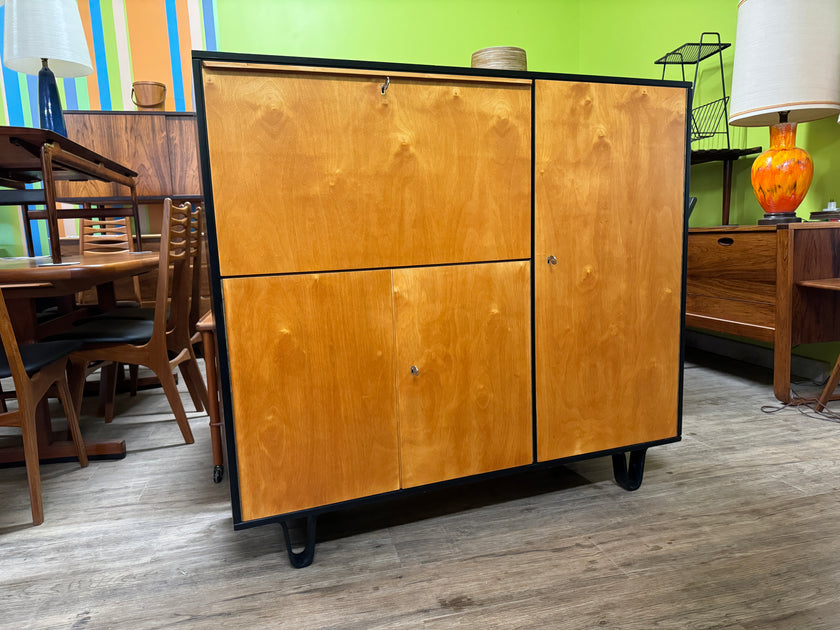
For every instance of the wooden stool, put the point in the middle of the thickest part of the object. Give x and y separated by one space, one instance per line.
206 325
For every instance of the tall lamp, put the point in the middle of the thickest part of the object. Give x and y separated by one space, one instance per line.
786 71
45 37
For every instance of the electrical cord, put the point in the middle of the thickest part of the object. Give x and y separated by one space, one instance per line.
806 406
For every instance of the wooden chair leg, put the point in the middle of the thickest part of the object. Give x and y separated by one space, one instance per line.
107 389
33 468
209 349
167 382
195 384
133 375
76 373
830 386
66 399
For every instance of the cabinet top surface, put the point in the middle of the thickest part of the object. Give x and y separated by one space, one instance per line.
810 225
212 58
98 112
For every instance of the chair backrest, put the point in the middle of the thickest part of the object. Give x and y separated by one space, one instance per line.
12 353
175 251
108 236
198 226
105 236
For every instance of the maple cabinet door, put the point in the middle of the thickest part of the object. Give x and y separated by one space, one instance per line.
463 370
315 171
609 232
312 384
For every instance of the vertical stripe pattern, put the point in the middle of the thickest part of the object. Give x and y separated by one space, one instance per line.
129 40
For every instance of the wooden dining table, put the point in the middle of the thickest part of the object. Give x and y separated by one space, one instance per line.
23 281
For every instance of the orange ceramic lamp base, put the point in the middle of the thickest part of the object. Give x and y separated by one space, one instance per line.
781 175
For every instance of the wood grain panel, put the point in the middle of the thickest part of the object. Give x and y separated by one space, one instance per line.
312 382
609 207
733 265
185 173
137 141
736 317
815 315
467 330
326 172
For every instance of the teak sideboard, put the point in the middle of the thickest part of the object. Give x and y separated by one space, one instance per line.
160 146
423 275
751 281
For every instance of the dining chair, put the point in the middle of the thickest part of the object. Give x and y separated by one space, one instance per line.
196 309
109 235
161 343
189 370
206 327
35 369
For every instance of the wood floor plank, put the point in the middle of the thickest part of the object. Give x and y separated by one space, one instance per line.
736 528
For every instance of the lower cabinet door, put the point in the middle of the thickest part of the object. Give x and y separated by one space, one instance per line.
312 383
463 369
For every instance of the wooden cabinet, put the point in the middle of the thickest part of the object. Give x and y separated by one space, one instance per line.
382 238
746 281
160 146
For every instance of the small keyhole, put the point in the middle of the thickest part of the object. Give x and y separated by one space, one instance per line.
552 260
415 370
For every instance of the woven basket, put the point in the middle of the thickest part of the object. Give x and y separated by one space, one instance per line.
501 58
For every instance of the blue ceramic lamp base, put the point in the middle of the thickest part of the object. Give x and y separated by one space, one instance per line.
49 102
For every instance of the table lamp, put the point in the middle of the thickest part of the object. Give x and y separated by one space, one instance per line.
786 71
45 37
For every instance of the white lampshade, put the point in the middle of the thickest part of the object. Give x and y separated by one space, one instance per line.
50 29
787 58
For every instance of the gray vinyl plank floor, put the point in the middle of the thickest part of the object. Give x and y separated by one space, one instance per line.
735 527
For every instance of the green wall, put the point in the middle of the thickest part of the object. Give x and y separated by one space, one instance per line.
600 37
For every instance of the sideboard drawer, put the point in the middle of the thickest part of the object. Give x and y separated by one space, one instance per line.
733 265
736 317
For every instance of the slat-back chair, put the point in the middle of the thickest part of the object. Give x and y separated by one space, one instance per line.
152 343
35 368
108 236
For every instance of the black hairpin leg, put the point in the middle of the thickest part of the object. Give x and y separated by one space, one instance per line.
629 475
218 474
300 559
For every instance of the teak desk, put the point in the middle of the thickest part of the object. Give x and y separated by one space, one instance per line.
750 281
29 155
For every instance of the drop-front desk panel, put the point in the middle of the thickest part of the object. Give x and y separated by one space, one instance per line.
744 281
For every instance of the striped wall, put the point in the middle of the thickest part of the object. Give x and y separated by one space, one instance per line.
129 40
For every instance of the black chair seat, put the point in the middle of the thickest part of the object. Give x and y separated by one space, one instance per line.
142 313
96 331
37 356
